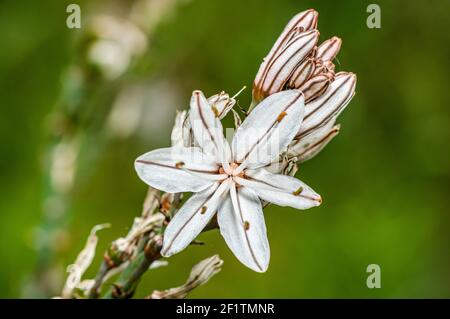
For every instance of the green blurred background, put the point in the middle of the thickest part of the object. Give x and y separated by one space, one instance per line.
384 179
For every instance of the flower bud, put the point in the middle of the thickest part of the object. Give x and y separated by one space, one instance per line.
329 105
328 50
302 73
327 67
303 21
309 146
279 64
273 75
221 104
316 86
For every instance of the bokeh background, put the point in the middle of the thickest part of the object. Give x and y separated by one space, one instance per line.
97 105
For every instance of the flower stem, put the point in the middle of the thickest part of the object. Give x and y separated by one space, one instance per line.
130 277
102 272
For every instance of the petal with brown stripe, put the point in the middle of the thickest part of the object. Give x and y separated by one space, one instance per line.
242 225
280 189
330 104
268 129
172 169
208 131
192 217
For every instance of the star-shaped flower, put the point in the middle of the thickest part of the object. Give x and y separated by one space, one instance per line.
230 180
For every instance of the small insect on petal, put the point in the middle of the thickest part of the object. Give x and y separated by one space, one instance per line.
246 225
203 210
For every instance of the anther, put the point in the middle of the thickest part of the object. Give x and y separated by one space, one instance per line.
298 191
281 116
179 164
239 92
246 225
203 210
215 110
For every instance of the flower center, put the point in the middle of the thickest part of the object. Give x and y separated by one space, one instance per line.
231 171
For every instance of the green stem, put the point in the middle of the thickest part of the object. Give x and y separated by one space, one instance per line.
130 277
95 290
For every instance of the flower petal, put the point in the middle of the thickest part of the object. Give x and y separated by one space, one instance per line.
316 86
285 62
192 217
302 73
178 137
309 146
268 129
328 50
280 189
241 223
208 131
301 22
330 104
171 169
221 104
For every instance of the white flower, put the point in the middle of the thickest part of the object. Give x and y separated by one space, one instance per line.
230 180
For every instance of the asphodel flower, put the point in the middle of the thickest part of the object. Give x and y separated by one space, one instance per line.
230 180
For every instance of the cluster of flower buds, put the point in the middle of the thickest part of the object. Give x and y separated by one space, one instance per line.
296 61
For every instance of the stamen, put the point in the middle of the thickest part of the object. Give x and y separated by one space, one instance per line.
226 167
240 168
298 191
219 96
215 110
246 225
281 116
211 177
239 92
203 210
